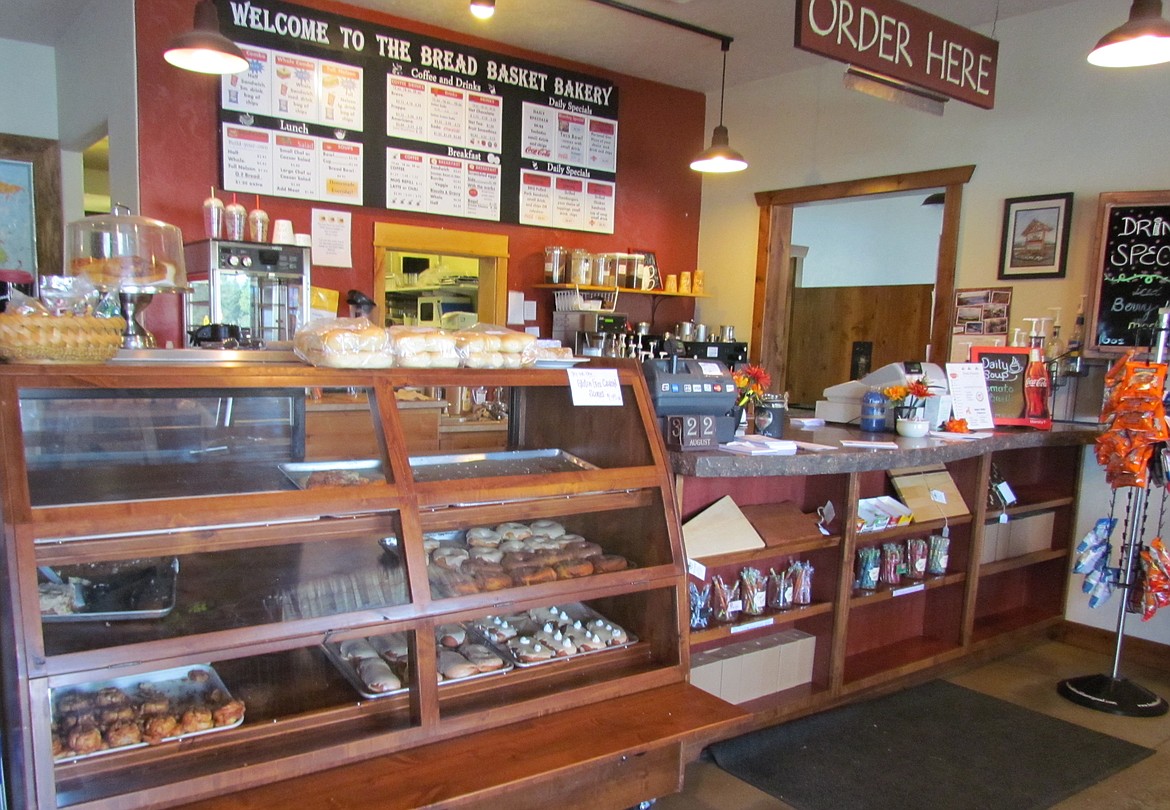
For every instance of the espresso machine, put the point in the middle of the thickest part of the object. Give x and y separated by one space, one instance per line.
586 331
258 287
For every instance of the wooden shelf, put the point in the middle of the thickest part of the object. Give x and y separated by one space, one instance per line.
769 552
1030 507
618 290
1027 618
895 660
1024 560
745 624
910 530
907 588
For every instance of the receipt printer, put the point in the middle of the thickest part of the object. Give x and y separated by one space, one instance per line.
687 386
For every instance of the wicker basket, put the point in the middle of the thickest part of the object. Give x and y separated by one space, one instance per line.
577 300
63 339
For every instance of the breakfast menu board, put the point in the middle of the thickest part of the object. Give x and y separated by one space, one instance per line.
340 110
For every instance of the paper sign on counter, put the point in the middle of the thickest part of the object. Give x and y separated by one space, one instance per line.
969 398
595 386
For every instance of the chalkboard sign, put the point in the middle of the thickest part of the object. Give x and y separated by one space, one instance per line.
1003 369
1132 268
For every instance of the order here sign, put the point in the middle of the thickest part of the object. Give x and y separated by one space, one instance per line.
902 42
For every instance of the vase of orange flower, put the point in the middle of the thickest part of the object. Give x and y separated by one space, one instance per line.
751 383
906 403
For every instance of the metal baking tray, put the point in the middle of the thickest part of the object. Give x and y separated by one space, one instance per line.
333 652
299 471
111 592
173 683
576 610
487 465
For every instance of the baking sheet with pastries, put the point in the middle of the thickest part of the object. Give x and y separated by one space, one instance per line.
555 633
378 666
139 710
111 591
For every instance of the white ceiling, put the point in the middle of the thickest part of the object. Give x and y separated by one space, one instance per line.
594 34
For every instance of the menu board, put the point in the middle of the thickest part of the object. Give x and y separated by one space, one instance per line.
340 110
1132 271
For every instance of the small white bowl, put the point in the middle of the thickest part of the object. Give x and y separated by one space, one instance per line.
912 428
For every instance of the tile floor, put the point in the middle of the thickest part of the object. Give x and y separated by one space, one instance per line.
1027 679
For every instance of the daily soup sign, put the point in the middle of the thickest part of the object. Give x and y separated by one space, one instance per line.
904 43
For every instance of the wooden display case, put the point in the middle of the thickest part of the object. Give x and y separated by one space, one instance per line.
206 469
874 639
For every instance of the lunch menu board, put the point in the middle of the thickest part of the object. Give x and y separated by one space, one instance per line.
1132 274
339 110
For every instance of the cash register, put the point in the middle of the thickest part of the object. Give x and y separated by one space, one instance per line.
842 402
693 398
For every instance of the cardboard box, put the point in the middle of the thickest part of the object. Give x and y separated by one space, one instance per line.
752 669
721 528
1030 533
900 514
929 491
797 650
707 674
870 518
995 537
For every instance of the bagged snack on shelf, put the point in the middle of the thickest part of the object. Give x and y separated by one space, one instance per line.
940 554
780 589
488 346
917 552
1099 585
802 583
753 591
891 564
1156 585
725 602
1135 421
343 343
868 568
700 605
423 347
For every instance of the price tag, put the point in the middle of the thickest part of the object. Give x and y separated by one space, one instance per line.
735 606
690 432
938 496
1005 492
1003 517
742 628
912 589
595 386
696 569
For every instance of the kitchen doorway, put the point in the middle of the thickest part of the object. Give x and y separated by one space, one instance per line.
775 322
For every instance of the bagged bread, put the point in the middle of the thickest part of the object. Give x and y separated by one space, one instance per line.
488 346
343 343
423 347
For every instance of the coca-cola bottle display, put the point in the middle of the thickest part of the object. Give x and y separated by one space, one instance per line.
1036 385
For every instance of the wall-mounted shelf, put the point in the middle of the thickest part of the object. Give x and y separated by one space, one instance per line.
619 290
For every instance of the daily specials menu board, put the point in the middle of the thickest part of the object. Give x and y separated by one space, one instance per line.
342 111
1132 274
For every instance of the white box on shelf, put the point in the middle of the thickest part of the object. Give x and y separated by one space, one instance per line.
797 650
1031 533
995 541
707 674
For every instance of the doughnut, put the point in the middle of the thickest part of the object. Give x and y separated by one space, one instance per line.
492 555
513 531
513 545
533 575
492 582
449 557
517 559
529 651
356 649
552 613
452 665
483 536
546 528
571 569
604 563
481 657
450 635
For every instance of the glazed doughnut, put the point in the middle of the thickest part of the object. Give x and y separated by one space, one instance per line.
492 555
604 563
571 569
533 575
483 537
513 545
449 557
547 528
513 531
492 582
517 559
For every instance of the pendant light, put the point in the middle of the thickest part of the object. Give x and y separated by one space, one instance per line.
720 157
483 9
1144 39
204 49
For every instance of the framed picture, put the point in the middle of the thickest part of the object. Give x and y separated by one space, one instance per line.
651 279
30 211
982 311
1035 236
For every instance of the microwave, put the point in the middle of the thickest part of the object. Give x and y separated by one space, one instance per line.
432 308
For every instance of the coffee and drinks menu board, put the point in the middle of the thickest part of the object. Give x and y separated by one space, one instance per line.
339 110
1132 272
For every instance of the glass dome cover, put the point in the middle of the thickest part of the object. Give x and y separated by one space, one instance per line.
126 253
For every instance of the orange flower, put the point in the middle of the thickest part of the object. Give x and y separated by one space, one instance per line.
751 382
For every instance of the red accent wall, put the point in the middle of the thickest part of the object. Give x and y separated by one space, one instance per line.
660 129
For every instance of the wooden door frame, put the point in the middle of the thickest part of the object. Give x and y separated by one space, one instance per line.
772 305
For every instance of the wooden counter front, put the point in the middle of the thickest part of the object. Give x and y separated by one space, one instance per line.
340 426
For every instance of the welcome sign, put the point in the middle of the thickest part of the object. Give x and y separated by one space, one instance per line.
903 42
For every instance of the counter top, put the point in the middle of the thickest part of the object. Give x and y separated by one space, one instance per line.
910 452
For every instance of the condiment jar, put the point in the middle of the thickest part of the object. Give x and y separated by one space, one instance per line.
581 266
556 263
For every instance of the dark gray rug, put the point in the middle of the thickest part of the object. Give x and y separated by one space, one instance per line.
932 747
